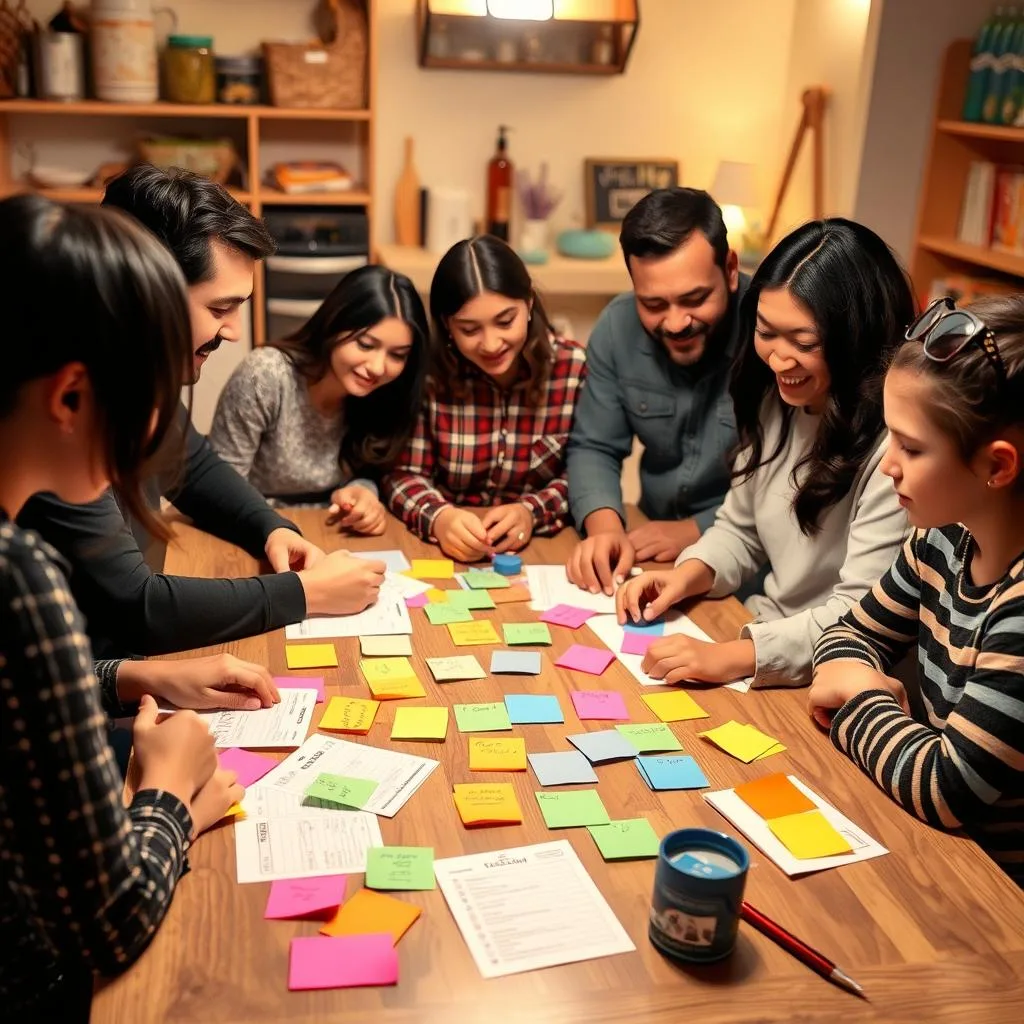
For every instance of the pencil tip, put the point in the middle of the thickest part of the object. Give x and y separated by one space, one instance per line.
843 979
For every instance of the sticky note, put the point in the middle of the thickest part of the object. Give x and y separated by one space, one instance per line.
674 706
442 614
515 594
563 768
386 669
368 912
532 709
436 596
420 724
416 601
310 656
777 749
526 633
394 559
680 772
742 741
774 796
637 643
341 790
386 646
463 666
315 962
656 628
572 809
809 834
349 714
249 766
481 717
651 736
593 660
432 569
302 683
235 811
632 837
485 579
400 867
600 747
397 689
470 600
490 804
599 704
471 634
566 615
497 755
525 663
305 898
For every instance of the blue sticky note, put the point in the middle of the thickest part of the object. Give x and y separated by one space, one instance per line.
663 772
564 768
655 628
532 709
523 663
606 745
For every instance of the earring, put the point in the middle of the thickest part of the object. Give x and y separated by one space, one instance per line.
991 483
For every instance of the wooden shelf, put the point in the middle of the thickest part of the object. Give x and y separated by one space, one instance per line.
161 109
84 194
541 67
971 130
990 259
270 196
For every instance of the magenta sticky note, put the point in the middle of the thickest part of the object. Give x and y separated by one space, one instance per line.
302 683
637 643
343 961
586 659
600 704
419 601
250 767
566 615
311 898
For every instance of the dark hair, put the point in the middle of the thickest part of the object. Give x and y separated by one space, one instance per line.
861 300
378 426
89 285
185 211
468 268
665 218
965 400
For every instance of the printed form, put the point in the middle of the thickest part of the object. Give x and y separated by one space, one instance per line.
387 617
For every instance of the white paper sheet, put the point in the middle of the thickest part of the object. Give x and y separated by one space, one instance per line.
398 775
527 908
394 559
324 843
550 586
754 827
385 618
280 725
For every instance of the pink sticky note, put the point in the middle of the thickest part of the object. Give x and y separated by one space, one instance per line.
419 601
310 898
637 643
250 767
344 961
586 659
566 615
606 704
302 683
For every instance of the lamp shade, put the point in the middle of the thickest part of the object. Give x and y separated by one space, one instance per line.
734 184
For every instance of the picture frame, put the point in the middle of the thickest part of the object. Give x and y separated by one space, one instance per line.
612 186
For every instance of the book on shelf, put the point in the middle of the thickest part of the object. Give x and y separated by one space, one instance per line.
992 209
964 289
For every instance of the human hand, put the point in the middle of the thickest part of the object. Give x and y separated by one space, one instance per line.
512 522
358 509
290 551
211 803
662 540
649 595
674 659
460 534
601 561
216 681
836 682
340 584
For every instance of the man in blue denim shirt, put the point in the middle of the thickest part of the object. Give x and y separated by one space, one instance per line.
658 364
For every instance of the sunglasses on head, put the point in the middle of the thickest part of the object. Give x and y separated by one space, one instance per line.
946 331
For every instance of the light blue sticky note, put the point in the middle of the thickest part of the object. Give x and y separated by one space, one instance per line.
606 745
520 663
656 628
531 708
671 772
394 560
565 768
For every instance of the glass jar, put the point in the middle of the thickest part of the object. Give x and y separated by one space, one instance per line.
189 75
239 79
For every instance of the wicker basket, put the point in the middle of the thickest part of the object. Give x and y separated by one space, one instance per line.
330 74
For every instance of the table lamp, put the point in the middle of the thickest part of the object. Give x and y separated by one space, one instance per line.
734 191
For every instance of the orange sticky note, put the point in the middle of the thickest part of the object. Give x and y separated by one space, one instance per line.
497 755
808 835
471 634
490 804
311 656
349 714
511 595
370 912
774 796
677 706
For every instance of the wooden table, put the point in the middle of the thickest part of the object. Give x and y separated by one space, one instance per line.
934 931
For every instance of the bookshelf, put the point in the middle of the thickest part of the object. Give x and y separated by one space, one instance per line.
954 144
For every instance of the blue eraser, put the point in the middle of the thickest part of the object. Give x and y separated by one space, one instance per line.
508 565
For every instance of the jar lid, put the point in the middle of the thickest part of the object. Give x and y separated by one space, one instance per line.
240 64
191 42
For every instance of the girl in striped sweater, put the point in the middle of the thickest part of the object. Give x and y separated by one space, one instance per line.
952 751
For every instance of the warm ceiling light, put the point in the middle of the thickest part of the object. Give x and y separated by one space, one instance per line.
522 10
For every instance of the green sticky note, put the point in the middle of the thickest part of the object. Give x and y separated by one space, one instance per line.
442 614
652 736
572 809
633 837
342 790
517 633
471 600
482 717
485 579
400 867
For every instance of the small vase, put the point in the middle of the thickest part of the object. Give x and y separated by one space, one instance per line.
533 241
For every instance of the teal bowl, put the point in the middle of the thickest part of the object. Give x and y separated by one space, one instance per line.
586 245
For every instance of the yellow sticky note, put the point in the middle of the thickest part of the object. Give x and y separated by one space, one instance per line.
384 670
777 749
369 912
234 811
494 755
490 804
432 569
470 634
742 741
349 714
808 834
420 724
385 646
397 689
677 706
435 596
311 655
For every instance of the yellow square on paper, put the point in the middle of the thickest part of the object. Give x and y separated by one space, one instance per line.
432 569
497 755
311 656
487 804
420 724
676 706
742 741
808 834
385 670
471 634
349 714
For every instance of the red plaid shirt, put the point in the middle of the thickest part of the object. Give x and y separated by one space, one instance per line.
491 448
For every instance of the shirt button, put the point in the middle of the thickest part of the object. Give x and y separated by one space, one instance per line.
643 407
501 458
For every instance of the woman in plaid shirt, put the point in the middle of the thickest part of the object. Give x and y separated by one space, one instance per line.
485 468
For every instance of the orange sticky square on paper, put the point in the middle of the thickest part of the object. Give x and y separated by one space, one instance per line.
489 804
371 912
774 796
515 594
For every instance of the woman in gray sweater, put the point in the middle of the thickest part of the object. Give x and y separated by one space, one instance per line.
808 501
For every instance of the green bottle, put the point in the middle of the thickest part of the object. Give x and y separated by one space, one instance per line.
1002 64
981 62
1011 109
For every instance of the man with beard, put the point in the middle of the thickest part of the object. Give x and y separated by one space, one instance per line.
658 365
130 609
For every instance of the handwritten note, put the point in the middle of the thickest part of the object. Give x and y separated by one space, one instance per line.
341 790
350 714
369 912
490 717
355 960
497 755
525 633
420 724
572 809
472 634
443 614
599 704
490 804
451 669
631 838
681 772
391 678
400 867
675 706
305 898
385 646
566 615
311 655
650 737
593 660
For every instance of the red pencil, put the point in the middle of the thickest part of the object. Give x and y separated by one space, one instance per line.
789 942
